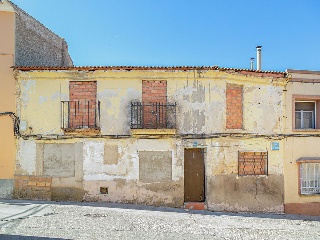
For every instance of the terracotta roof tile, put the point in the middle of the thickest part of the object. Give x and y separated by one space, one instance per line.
129 68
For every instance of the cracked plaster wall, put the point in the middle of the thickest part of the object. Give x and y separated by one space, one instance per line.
39 104
243 193
201 102
201 109
122 179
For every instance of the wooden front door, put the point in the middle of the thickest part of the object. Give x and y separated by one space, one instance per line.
194 176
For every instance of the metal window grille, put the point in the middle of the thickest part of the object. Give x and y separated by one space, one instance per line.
80 114
252 163
153 115
310 178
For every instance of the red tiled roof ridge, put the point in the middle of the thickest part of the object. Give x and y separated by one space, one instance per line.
28 68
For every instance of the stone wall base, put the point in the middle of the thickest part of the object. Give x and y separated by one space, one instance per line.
32 187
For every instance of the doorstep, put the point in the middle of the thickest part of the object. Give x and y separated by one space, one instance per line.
195 205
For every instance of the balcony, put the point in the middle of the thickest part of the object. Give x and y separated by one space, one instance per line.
159 118
77 116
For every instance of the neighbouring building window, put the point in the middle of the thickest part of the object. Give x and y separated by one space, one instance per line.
306 110
234 106
310 178
252 163
305 115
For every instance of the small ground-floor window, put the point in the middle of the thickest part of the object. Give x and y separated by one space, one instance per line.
310 178
252 163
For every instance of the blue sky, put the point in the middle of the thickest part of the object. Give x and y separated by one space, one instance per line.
185 32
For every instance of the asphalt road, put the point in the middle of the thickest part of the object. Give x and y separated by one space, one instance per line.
50 220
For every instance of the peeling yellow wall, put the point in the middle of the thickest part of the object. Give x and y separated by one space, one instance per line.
201 110
7 92
198 97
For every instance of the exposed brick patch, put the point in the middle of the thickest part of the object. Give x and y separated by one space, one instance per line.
234 106
83 103
252 163
312 208
154 92
32 187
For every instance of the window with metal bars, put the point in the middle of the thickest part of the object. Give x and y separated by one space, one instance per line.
252 163
310 178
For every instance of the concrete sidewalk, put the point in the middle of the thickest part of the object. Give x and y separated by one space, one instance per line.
12 210
84 220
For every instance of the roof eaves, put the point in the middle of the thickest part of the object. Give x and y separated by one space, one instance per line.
129 68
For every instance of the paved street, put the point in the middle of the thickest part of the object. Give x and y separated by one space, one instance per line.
50 220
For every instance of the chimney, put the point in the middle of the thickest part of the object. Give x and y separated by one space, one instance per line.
258 57
251 63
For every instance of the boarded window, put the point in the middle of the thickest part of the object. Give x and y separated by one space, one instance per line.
59 160
155 166
154 91
111 155
154 97
83 104
234 106
252 163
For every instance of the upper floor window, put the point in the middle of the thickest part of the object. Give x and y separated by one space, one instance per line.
305 114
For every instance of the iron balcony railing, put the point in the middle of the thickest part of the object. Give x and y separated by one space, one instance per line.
80 114
153 115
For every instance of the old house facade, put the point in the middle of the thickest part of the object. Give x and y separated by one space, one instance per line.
24 42
169 136
302 155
